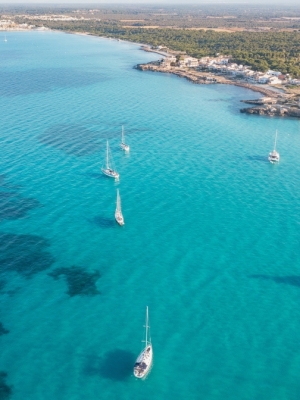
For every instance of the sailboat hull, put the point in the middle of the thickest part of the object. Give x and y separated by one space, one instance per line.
274 157
110 173
272 161
119 218
143 363
125 147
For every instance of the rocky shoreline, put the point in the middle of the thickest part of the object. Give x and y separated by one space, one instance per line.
204 78
277 109
274 102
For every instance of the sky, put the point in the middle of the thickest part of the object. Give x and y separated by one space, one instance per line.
162 2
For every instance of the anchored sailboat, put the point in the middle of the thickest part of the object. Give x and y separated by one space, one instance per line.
108 170
123 145
5 40
143 363
274 155
118 213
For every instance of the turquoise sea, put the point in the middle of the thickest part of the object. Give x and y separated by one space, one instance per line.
210 243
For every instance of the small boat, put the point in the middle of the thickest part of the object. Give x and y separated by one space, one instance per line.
5 40
274 156
143 363
124 146
108 170
118 213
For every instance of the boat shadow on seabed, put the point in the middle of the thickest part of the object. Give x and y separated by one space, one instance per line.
103 222
115 365
293 280
258 158
97 175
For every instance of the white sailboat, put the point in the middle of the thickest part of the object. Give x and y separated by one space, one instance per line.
143 363
118 213
108 170
5 40
274 156
123 145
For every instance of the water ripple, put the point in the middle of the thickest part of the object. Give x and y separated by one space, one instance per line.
44 80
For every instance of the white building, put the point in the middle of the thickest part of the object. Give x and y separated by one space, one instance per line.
274 80
191 62
295 81
204 59
172 58
166 62
249 75
223 61
5 22
274 73
263 78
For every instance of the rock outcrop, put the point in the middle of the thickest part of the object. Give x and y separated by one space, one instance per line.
274 109
274 102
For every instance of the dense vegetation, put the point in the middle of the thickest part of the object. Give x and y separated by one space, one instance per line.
271 39
230 16
260 50
280 50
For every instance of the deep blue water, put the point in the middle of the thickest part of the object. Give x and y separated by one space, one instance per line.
210 242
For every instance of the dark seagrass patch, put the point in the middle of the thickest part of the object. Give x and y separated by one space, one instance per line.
80 282
25 254
12 204
3 331
72 139
5 389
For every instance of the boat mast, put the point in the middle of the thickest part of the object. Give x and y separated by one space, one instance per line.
107 164
118 201
275 140
146 326
123 140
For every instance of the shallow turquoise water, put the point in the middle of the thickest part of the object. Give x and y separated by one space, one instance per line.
211 241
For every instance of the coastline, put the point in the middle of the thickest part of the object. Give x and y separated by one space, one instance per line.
273 102
205 78
200 77
197 77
